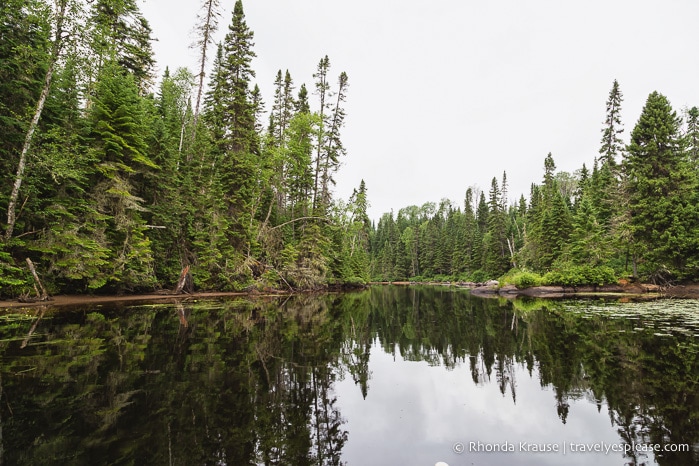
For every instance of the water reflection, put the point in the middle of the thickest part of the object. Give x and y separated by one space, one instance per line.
393 375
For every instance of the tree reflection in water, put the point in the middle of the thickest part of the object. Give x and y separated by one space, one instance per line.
252 381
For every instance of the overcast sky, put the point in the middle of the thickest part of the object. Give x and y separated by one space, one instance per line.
447 94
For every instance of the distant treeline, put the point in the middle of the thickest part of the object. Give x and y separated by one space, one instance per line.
635 214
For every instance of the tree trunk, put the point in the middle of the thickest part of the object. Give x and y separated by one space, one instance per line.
55 51
43 296
182 281
208 29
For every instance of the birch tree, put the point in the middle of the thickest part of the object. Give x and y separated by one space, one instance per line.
62 13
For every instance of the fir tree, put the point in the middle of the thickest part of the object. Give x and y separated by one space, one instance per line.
661 187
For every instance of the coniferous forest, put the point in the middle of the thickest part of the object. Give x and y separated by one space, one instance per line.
633 215
112 183
115 179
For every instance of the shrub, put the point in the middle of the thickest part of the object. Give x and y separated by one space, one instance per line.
521 278
479 276
526 280
578 275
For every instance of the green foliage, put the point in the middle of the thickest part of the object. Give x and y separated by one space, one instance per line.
662 186
479 276
521 279
579 275
12 278
123 188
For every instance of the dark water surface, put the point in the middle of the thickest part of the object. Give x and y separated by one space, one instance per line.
389 376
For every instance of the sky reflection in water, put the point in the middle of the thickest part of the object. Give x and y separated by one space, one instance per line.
415 413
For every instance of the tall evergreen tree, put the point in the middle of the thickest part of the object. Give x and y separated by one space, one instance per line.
322 86
59 26
121 34
662 190
117 133
333 147
588 244
692 136
495 251
612 145
234 107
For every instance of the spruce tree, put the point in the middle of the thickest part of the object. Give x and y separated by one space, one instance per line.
230 113
612 145
691 138
661 187
588 243
117 134
121 34
495 253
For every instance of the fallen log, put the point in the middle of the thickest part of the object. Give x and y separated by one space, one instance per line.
43 296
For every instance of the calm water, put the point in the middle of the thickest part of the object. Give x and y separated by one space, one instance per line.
390 376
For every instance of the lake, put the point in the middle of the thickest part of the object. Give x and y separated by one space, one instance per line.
389 376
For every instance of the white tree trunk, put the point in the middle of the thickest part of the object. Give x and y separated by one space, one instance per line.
21 166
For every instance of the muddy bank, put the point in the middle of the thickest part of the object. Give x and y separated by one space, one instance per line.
492 289
478 289
78 300
631 289
164 297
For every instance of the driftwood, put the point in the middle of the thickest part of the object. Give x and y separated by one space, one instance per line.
43 296
185 278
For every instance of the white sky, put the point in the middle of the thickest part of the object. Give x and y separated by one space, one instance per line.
446 94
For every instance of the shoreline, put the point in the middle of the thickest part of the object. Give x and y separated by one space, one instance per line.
79 300
689 291
484 290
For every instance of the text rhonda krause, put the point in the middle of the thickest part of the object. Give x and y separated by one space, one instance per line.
574 447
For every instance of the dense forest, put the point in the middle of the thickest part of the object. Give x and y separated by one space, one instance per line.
114 180
112 183
633 215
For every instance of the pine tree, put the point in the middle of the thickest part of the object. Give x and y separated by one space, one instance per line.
548 221
555 219
661 187
330 147
279 122
238 117
588 243
333 148
605 187
169 192
322 88
67 224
